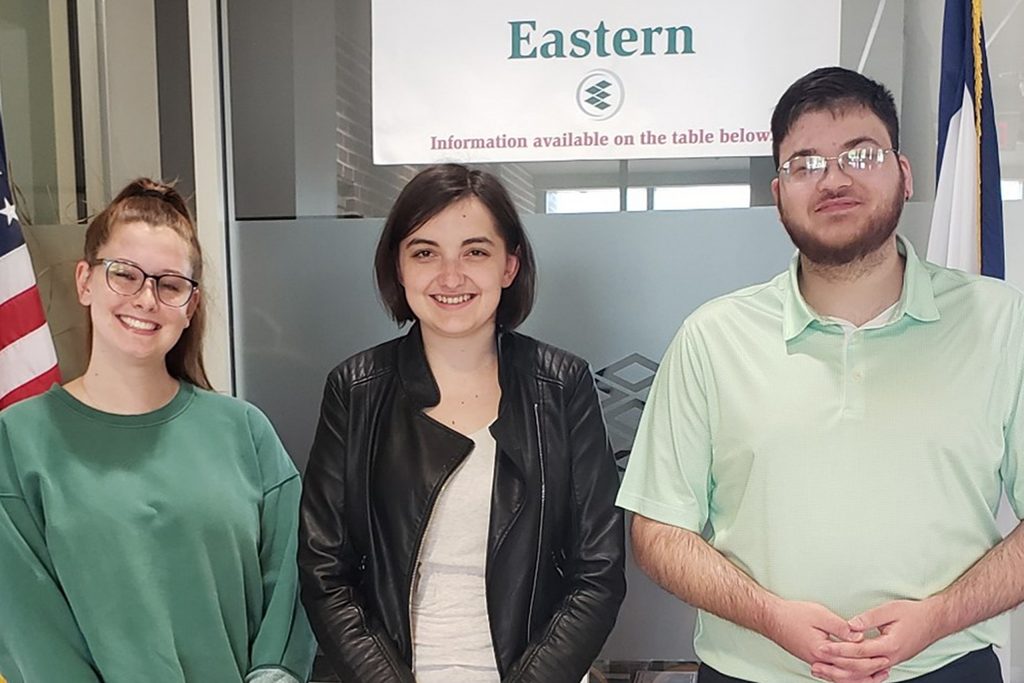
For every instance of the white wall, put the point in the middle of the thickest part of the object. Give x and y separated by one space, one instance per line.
131 120
1013 230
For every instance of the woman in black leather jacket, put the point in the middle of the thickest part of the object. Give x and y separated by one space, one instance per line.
457 516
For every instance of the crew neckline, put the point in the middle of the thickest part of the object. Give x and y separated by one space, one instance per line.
186 392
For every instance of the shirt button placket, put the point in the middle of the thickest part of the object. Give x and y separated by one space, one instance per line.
855 394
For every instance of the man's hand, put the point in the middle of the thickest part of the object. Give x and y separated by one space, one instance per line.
905 628
683 563
804 628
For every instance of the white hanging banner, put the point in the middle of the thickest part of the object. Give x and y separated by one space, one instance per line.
543 80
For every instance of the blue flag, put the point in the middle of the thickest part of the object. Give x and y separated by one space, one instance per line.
967 223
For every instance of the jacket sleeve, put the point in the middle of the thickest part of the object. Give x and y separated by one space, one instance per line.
39 637
329 565
597 583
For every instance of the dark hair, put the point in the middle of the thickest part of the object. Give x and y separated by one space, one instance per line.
835 89
148 201
429 193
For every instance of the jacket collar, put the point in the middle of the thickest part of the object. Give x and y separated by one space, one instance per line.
416 377
414 372
421 387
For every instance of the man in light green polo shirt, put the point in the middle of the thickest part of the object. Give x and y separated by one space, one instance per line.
841 434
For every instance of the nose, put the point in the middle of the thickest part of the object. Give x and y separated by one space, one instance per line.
834 175
146 297
451 273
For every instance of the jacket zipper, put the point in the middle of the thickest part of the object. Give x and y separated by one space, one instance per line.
540 526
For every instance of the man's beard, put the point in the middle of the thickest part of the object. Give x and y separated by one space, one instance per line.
876 231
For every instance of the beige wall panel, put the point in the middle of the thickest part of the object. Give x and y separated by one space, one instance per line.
55 249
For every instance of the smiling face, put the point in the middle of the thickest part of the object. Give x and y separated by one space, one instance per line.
136 329
841 216
453 269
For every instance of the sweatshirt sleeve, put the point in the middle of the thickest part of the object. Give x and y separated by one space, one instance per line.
284 641
39 637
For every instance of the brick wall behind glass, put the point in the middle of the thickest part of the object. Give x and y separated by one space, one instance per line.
519 183
363 189
366 190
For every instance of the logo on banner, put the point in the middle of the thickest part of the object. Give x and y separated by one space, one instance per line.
600 94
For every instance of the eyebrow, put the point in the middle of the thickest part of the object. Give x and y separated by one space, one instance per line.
848 145
420 241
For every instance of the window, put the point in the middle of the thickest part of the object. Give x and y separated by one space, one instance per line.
667 198
593 200
701 197
1013 190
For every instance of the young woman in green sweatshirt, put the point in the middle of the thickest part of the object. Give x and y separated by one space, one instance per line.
147 524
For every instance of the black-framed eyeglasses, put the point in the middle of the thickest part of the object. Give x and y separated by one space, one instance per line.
127 279
811 167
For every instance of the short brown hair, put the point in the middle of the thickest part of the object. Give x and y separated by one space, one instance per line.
148 201
835 89
429 193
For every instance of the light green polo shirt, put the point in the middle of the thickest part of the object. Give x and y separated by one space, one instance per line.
847 469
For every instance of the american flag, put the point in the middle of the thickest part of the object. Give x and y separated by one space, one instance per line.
28 363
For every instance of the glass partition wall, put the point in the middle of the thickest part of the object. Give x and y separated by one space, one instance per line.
626 248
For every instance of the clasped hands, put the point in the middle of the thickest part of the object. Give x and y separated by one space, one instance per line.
848 651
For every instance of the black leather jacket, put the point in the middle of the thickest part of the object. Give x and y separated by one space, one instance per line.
554 573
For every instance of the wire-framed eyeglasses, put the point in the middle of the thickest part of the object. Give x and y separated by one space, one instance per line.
812 167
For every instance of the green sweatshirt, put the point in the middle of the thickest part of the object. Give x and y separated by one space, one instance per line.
157 547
